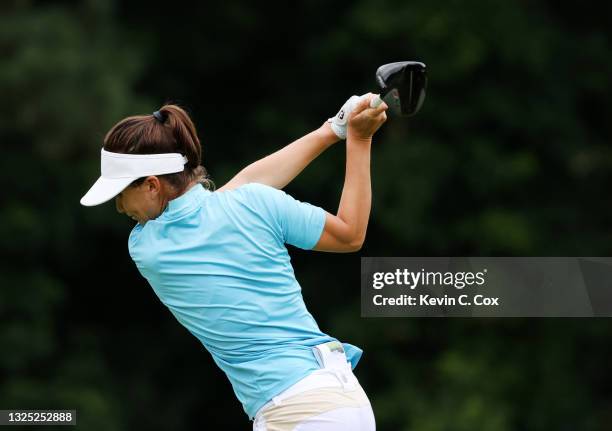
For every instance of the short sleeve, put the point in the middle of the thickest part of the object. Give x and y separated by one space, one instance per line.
301 224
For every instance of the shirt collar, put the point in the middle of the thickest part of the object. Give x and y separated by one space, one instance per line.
186 202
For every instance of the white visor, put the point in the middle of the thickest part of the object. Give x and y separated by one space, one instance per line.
119 170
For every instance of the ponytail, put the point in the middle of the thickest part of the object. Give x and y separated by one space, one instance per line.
184 133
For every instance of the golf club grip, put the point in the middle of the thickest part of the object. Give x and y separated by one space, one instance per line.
375 102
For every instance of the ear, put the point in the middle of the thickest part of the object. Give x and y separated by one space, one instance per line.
152 184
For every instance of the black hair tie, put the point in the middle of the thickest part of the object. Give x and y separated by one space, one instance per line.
159 116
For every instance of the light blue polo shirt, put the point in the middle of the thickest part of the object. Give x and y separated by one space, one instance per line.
218 261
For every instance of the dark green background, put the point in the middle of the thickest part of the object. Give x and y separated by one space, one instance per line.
510 156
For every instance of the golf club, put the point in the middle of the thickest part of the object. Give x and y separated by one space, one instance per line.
405 81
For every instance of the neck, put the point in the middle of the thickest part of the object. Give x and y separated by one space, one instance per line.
175 195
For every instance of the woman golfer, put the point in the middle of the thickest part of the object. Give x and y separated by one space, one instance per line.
218 259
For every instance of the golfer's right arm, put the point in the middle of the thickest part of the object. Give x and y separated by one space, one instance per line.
346 231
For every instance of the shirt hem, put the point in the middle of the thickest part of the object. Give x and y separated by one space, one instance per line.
286 383
320 229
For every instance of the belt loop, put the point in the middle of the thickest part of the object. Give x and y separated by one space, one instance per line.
347 385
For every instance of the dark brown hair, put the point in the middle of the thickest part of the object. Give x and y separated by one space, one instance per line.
170 130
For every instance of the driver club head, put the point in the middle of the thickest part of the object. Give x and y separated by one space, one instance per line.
402 85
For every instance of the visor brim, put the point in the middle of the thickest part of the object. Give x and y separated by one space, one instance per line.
104 189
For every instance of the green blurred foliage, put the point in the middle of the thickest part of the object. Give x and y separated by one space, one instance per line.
510 156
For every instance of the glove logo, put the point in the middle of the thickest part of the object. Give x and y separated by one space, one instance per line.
341 114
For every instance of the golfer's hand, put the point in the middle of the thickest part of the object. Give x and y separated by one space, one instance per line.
365 121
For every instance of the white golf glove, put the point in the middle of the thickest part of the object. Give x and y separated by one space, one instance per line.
339 122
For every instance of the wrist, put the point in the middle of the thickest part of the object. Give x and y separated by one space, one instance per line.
358 139
327 134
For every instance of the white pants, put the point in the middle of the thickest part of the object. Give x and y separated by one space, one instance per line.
325 400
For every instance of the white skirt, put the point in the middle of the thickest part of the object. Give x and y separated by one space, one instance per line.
329 399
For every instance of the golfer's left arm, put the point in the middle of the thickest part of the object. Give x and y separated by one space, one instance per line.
280 168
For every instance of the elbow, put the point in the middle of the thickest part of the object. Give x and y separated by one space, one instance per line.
355 245
353 248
